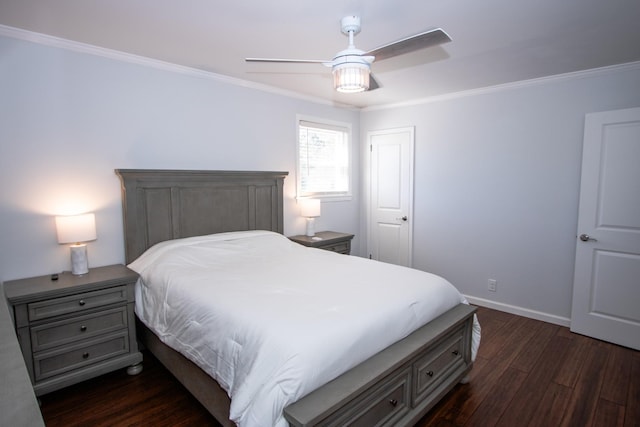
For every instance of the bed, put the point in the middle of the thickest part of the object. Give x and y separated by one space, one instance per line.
368 378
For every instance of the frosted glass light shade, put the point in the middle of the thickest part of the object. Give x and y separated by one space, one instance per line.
76 228
351 77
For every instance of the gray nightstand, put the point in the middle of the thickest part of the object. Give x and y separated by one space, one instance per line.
76 327
329 240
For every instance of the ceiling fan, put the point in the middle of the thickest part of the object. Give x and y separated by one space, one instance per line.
351 67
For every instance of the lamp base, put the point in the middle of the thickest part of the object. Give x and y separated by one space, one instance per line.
311 229
79 261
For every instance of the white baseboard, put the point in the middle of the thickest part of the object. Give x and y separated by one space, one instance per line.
520 311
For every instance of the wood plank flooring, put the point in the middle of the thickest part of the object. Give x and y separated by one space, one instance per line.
527 373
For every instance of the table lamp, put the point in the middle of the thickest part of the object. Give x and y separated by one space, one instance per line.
310 208
77 229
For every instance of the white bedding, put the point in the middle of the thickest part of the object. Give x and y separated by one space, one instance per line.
272 320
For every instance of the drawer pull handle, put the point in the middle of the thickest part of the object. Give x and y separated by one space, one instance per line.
429 373
85 355
83 328
455 352
393 402
81 302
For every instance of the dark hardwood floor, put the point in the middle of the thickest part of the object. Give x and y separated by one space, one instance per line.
527 373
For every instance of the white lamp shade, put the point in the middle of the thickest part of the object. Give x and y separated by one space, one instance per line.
310 208
76 228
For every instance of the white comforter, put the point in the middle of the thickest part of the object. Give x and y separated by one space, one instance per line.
271 320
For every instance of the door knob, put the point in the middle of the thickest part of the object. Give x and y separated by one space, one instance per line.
404 218
586 238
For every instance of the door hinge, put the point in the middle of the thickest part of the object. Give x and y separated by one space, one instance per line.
371 148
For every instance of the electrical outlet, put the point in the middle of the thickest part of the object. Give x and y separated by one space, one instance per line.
493 285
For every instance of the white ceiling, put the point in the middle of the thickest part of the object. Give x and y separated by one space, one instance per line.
494 41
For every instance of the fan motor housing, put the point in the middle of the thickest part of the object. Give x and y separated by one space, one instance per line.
350 23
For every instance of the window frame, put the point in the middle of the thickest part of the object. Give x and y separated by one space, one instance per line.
329 125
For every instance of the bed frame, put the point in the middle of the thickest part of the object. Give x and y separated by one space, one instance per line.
394 387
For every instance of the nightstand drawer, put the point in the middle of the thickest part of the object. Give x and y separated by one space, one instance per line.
430 370
76 303
78 328
60 360
343 247
327 240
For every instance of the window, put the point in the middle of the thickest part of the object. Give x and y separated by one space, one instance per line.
324 159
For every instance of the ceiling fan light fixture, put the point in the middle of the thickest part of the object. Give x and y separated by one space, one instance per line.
351 77
351 67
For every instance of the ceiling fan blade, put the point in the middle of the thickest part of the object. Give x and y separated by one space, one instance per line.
373 83
299 61
410 44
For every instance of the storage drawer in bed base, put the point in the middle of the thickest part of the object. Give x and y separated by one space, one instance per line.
400 384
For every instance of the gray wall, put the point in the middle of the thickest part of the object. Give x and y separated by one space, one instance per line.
497 179
68 119
496 172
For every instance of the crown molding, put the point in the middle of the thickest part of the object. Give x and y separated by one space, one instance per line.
509 86
52 41
57 42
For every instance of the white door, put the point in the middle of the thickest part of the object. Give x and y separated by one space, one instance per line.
606 289
391 196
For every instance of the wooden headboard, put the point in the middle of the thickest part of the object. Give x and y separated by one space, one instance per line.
161 205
